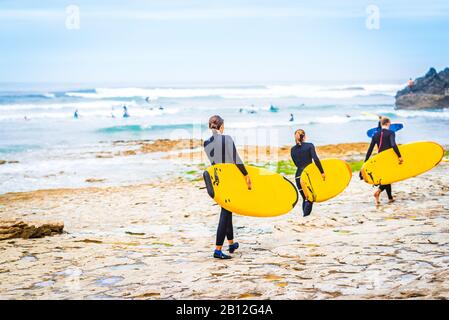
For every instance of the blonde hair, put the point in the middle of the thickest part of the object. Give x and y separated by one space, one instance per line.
299 136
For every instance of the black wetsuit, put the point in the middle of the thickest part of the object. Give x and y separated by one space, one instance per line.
384 139
221 149
302 155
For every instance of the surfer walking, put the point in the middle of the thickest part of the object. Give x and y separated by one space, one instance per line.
303 153
220 148
384 139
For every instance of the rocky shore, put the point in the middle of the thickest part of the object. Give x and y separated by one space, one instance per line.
428 92
155 240
10 229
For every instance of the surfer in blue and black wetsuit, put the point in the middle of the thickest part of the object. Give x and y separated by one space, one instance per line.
220 148
302 155
384 139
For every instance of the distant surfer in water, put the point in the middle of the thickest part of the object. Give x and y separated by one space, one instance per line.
252 109
273 108
384 139
125 112
220 148
292 118
302 154
75 115
379 125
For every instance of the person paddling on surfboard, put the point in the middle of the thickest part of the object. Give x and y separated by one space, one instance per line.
302 155
220 148
384 139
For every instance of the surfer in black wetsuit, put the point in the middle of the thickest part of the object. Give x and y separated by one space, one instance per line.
292 118
384 139
302 155
220 148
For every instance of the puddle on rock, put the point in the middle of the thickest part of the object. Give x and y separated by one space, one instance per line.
110 281
44 284
134 266
29 258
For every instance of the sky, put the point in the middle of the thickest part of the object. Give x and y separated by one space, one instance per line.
213 41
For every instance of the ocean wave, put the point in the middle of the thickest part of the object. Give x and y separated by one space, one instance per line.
8 149
88 109
442 114
334 119
17 97
143 128
271 91
88 105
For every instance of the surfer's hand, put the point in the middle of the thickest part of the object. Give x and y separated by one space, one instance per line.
248 182
401 160
324 176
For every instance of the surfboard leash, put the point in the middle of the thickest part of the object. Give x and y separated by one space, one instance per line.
311 187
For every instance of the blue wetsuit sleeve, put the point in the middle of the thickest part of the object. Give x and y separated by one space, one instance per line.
316 159
370 149
394 145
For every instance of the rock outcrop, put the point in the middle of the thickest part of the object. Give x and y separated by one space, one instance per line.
428 92
5 161
10 229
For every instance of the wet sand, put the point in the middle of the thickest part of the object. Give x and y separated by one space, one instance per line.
155 241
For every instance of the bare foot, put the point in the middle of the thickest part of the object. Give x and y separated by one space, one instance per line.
376 196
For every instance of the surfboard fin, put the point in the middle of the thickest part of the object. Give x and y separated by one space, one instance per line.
209 186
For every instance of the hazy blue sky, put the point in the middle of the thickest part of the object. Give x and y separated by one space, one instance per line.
182 41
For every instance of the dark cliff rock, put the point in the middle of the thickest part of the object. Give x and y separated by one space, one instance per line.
428 92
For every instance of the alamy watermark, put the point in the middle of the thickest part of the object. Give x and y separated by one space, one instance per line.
372 21
72 20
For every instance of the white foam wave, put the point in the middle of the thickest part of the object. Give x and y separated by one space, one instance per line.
442 114
334 119
274 91
103 109
49 95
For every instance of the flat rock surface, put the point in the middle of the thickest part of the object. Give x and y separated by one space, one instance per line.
155 241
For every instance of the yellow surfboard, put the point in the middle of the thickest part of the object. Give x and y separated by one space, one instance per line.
419 157
271 193
338 175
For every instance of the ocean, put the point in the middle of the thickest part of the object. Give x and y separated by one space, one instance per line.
47 147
